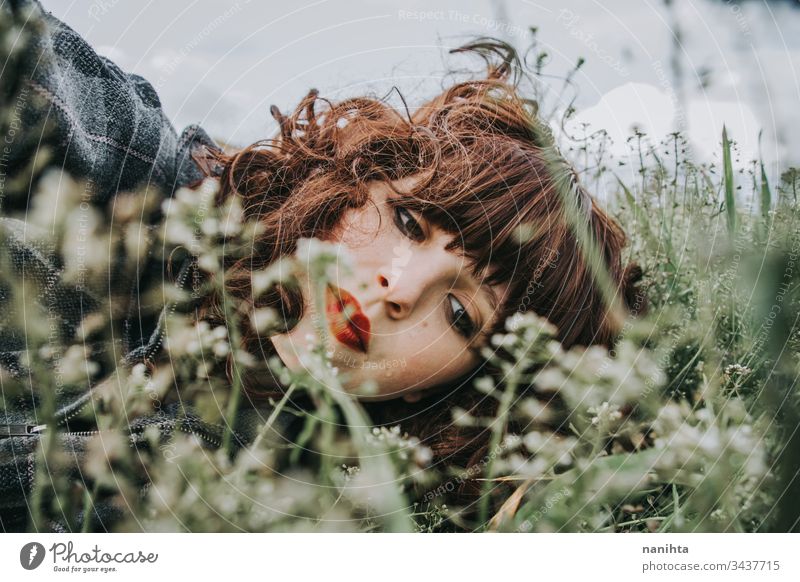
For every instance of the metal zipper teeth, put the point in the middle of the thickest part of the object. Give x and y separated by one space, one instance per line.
31 430
180 427
81 433
189 430
208 438
75 412
37 430
34 430
24 429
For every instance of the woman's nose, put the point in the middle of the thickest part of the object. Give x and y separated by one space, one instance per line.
396 306
393 309
404 289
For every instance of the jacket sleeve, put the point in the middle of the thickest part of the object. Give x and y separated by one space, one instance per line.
107 125
110 510
99 124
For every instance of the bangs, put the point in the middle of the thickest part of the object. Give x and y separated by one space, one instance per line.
496 198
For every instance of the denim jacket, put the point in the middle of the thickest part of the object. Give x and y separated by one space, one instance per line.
108 128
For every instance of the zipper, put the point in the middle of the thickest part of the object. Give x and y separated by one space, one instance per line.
189 430
73 409
65 413
205 437
9 430
21 429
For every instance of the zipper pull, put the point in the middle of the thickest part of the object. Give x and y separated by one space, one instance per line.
20 429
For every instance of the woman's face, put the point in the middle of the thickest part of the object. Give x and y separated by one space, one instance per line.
420 305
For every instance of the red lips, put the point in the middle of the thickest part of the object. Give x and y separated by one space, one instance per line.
352 331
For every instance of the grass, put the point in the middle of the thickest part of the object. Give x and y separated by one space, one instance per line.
689 424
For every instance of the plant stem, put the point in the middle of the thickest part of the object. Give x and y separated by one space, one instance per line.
46 445
236 388
274 414
88 506
498 429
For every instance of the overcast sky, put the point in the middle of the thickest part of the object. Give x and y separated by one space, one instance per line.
222 64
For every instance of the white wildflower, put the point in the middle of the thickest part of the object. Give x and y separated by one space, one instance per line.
264 319
221 349
233 215
208 262
75 365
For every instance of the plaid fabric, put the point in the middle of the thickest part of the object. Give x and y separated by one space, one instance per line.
109 124
109 128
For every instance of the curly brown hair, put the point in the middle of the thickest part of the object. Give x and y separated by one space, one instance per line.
483 156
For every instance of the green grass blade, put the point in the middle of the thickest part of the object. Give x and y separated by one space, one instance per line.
727 167
638 212
766 194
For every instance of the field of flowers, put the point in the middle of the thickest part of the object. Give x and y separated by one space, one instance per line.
690 422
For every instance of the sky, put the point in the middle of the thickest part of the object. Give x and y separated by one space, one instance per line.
655 65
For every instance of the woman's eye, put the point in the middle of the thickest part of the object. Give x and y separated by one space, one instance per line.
407 224
461 319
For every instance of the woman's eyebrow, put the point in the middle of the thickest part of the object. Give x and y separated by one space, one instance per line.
491 296
489 291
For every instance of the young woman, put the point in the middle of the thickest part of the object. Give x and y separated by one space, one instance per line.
454 214
430 206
